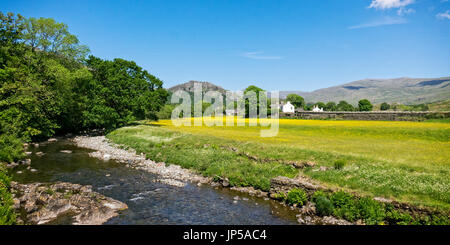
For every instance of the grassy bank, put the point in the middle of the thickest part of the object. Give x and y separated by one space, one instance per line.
7 215
406 161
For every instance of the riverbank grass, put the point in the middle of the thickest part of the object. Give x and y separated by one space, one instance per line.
405 161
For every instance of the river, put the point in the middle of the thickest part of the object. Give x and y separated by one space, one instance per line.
149 202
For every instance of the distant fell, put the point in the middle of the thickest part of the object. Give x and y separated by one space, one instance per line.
400 90
189 87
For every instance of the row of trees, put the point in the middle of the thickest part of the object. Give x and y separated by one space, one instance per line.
399 107
48 85
299 102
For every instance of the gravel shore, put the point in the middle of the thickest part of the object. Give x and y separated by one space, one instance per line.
172 175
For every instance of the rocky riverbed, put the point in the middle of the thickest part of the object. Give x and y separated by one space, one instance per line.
176 176
169 174
41 203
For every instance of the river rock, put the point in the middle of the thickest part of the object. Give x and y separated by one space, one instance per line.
12 165
52 140
250 190
40 153
44 203
308 209
330 220
106 150
25 161
66 151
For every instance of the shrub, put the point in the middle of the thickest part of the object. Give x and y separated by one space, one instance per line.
7 215
364 105
371 211
280 196
385 106
440 220
165 112
324 206
345 206
11 148
318 194
339 164
395 217
297 196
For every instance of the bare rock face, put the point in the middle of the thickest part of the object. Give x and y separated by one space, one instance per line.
44 203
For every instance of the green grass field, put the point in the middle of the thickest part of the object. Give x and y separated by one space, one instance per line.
406 161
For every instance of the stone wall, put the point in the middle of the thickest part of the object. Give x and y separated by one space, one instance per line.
369 115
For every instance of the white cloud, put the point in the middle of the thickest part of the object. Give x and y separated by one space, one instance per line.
403 11
381 22
445 15
387 4
259 55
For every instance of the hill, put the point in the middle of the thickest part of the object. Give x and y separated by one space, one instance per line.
398 90
189 87
401 90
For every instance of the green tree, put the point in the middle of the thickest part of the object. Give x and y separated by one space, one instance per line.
385 106
11 28
45 34
248 103
364 105
43 92
330 106
296 100
308 106
320 104
121 92
344 106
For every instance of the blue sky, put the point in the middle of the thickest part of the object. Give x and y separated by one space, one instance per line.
277 45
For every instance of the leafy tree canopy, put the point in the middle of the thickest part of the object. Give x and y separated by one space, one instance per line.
385 106
330 106
344 106
364 105
45 34
296 100
249 102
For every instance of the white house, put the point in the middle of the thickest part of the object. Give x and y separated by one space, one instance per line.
288 108
317 109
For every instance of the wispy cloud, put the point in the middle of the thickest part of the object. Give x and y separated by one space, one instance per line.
382 22
404 11
391 4
445 15
387 4
259 55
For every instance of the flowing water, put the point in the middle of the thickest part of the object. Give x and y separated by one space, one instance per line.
149 202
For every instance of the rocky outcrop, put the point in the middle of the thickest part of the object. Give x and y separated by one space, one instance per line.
40 203
189 87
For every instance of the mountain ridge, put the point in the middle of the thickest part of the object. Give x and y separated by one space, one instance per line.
404 90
